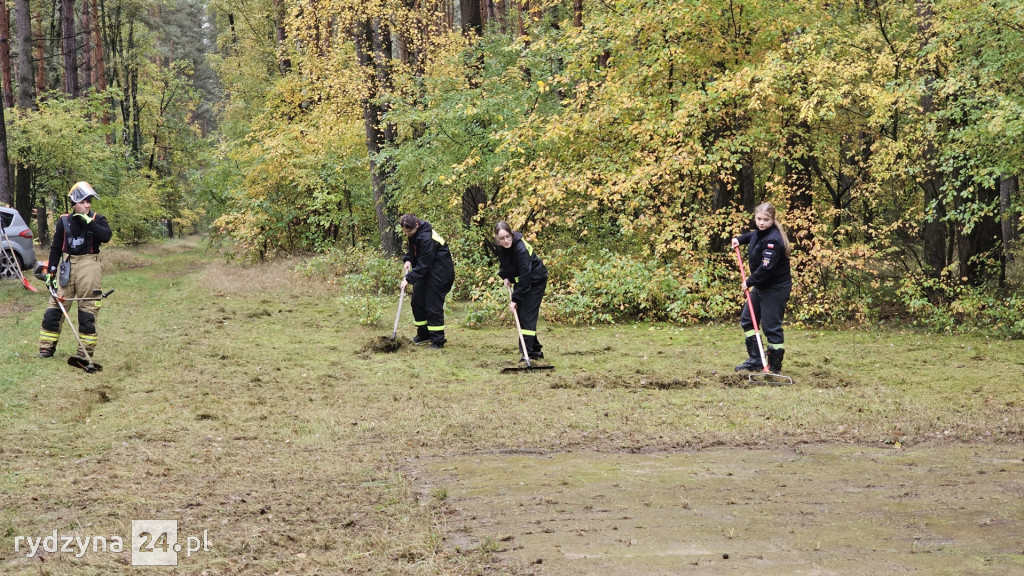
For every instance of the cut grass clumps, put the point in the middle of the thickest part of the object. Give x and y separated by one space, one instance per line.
381 345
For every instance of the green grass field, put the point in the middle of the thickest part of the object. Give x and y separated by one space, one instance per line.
243 402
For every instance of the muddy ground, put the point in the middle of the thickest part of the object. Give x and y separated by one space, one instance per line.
822 509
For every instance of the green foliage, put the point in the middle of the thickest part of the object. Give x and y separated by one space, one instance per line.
630 147
133 209
63 144
947 306
368 281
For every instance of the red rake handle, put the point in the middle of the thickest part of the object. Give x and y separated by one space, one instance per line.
753 317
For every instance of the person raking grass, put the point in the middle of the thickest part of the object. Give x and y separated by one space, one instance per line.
770 283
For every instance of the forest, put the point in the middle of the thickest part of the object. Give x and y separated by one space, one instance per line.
628 140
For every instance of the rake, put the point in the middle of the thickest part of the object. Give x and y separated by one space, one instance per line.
522 343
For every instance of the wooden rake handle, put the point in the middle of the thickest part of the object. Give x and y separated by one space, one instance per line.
519 330
753 317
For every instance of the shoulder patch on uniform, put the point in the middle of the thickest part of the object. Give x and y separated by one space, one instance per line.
765 262
770 245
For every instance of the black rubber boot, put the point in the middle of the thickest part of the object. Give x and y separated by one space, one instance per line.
422 335
753 362
437 339
775 360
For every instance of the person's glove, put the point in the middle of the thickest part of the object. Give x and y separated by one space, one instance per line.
51 277
85 217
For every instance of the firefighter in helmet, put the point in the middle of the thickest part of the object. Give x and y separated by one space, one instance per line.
76 240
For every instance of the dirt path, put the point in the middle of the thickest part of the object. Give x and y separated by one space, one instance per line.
815 510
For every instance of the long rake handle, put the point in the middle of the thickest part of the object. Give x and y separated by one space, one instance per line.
519 330
753 317
394 332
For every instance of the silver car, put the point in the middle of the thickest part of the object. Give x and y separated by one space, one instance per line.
20 236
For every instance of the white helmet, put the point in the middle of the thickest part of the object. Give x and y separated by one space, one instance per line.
80 191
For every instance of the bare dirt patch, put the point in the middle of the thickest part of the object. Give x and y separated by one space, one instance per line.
821 509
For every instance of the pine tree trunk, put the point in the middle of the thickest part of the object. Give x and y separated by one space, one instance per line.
5 55
26 97
99 68
23 18
86 45
6 193
69 47
40 51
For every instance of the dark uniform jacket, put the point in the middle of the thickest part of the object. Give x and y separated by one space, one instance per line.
767 259
429 255
82 239
519 265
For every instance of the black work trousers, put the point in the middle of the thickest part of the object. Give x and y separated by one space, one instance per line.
770 308
428 304
529 312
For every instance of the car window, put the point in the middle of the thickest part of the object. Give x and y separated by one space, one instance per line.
6 218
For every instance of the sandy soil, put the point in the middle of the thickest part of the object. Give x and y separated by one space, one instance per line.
824 509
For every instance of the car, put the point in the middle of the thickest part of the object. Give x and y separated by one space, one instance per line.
20 236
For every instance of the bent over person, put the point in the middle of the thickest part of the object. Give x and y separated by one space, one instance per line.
78 237
519 266
430 270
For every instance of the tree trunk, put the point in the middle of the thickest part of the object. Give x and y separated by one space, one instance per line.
86 45
69 47
367 38
23 17
472 199
1008 188
284 64
6 192
26 97
577 13
471 21
40 50
978 243
99 66
934 229
5 55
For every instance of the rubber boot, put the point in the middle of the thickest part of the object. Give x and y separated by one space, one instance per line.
422 335
775 360
533 347
47 350
437 339
753 362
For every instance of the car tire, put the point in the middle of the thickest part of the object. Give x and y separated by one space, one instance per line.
7 269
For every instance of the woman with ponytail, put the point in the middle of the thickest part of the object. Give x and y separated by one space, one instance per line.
770 283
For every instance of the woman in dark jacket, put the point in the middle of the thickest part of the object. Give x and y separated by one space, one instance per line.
770 283
430 270
519 266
